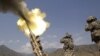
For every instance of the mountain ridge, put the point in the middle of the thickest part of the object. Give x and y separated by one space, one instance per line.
5 51
80 50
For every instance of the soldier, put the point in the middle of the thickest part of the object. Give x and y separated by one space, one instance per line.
93 25
68 42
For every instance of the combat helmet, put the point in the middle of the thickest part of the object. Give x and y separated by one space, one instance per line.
68 35
91 19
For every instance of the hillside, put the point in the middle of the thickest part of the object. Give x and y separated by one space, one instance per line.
82 50
5 51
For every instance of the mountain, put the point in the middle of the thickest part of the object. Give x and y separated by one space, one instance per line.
81 50
5 51
49 50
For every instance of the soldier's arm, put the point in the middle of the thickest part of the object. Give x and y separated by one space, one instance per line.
88 27
62 40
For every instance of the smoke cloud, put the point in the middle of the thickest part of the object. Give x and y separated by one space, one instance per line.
18 7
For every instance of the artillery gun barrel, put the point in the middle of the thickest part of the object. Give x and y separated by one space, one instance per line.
36 45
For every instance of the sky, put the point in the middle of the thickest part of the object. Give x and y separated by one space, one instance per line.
63 15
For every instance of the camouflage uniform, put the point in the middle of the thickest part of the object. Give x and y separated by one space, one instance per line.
68 45
93 25
68 42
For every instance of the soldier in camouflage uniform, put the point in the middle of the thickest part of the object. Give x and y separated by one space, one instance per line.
93 25
68 42
68 45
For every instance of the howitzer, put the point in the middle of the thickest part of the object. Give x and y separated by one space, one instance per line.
33 28
35 43
34 40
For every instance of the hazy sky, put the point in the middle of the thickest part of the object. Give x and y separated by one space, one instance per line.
63 15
